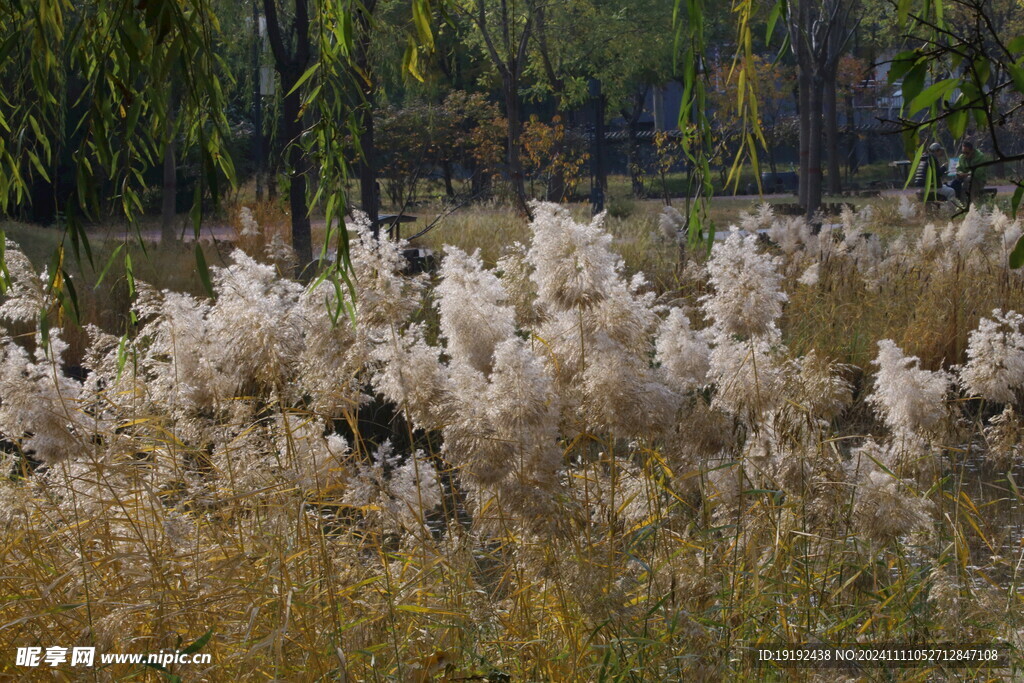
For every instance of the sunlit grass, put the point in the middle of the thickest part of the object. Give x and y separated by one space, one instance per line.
667 556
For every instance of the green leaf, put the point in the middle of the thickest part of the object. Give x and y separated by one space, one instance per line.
411 60
1017 76
34 158
196 211
44 329
69 285
303 78
902 11
1016 45
979 117
199 643
913 82
103 273
421 19
204 271
982 69
79 238
1013 485
901 64
56 260
129 274
956 122
1018 195
931 94
773 17
913 165
1017 255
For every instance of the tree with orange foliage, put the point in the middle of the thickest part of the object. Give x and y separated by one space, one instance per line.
554 157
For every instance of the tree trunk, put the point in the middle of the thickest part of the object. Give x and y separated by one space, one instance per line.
830 106
804 104
600 169
633 160
797 26
814 145
169 205
633 150
298 167
831 124
851 139
556 180
449 189
369 194
515 162
291 66
257 103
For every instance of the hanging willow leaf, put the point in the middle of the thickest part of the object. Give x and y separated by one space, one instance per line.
1017 255
204 271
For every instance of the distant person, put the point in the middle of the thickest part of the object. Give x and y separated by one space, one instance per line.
938 162
970 173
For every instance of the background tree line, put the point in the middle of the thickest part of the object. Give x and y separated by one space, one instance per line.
108 103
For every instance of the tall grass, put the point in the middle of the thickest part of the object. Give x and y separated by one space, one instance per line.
534 465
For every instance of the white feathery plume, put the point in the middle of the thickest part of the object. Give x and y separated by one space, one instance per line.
682 353
909 398
622 394
26 296
385 297
573 264
973 229
789 233
906 208
415 490
38 404
929 240
250 228
474 309
180 373
810 275
747 374
885 509
333 354
253 326
626 316
400 490
515 271
672 223
473 441
995 357
524 407
748 296
1004 438
762 217
408 372
316 463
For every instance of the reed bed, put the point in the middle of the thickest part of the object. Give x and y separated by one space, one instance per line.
536 464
